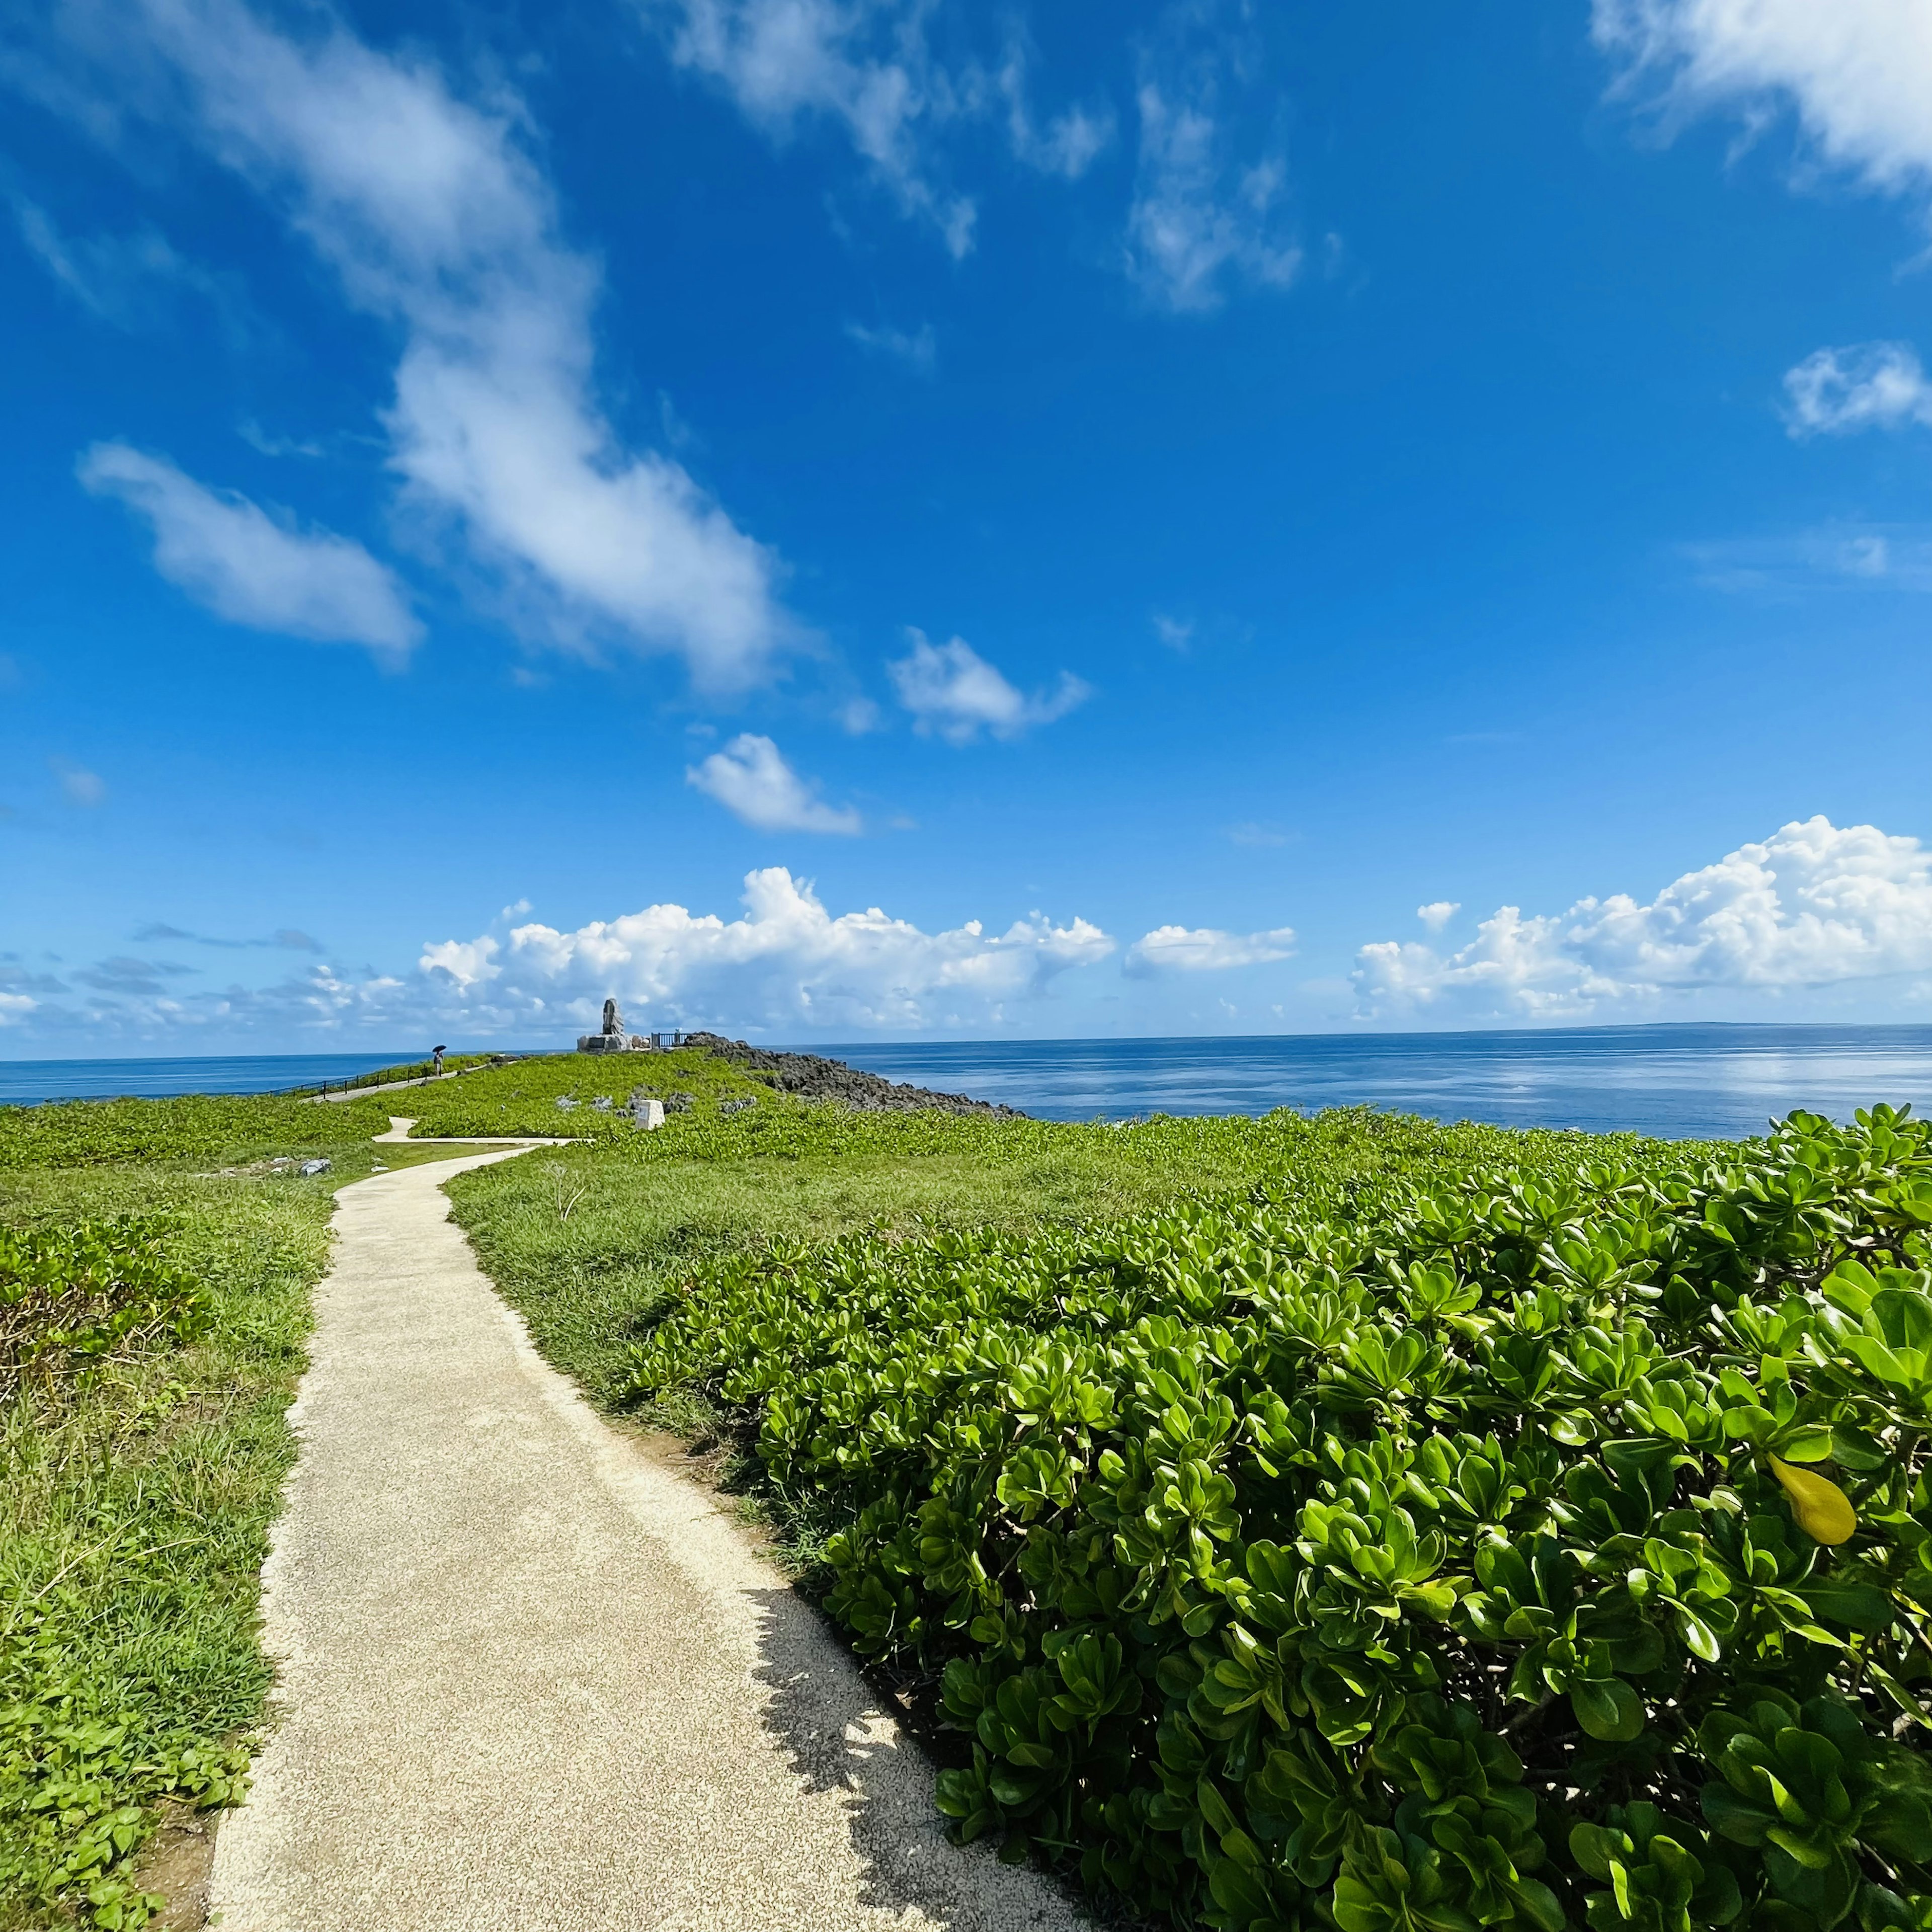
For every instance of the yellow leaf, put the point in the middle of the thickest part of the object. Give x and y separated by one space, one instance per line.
1823 1510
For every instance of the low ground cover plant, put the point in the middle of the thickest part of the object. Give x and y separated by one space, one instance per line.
1547 1544
152 1328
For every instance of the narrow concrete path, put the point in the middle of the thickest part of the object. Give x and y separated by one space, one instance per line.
532 1681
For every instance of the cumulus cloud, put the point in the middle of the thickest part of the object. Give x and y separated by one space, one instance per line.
750 778
438 221
232 557
14 1007
787 961
1814 905
1856 73
1438 912
865 68
951 689
785 965
1177 949
1873 385
1200 219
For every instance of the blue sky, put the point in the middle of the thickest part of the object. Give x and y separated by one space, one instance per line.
821 518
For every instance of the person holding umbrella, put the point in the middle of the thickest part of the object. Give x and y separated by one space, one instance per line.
436 1060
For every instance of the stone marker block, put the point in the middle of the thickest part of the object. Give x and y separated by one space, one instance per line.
648 1114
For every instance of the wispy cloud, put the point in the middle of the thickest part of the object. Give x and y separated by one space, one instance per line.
949 688
1841 557
288 939
751 779
1176 633
120 279
1068 144
436 218
229 555
1177 949
78 785
1252 832
1204 217
865 69
1872 386
1813 905
919 350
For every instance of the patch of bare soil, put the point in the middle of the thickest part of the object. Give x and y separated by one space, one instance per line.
175 1866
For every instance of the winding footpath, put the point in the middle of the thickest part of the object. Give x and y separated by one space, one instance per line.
531 1682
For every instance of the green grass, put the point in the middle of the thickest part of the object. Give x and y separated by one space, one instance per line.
521 1098
134 1517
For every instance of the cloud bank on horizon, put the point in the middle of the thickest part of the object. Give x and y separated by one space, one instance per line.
1814 906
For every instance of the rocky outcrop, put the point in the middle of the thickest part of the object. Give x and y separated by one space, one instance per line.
813 1079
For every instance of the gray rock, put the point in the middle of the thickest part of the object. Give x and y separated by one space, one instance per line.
314 1167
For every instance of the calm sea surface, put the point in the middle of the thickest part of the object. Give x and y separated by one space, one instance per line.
1674 1081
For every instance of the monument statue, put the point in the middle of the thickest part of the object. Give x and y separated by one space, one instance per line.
613 1038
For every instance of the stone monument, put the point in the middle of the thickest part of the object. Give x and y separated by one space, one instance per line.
612 1039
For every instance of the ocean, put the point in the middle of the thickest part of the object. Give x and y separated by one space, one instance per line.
1675 1081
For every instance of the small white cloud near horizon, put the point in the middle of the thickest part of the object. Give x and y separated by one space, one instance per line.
1204 949
230 557
787 962
952 690
752 780
1814 905
918 350
1438 912
1857 73
1869 386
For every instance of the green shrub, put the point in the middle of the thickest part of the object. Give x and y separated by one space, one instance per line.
1542 1549
75 1296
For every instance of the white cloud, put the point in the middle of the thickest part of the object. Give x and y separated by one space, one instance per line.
1176 633
1873 385
1254 833
80 786
1069 143
114 277
1857 72
1199 219
865 66
1176 948
438 221
1846 556
1814 905
787 961
951 689
786 966
229 555
919 350
1438 912
14 1007
750 778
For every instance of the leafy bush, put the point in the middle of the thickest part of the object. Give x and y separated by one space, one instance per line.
1544 1549
76 1294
